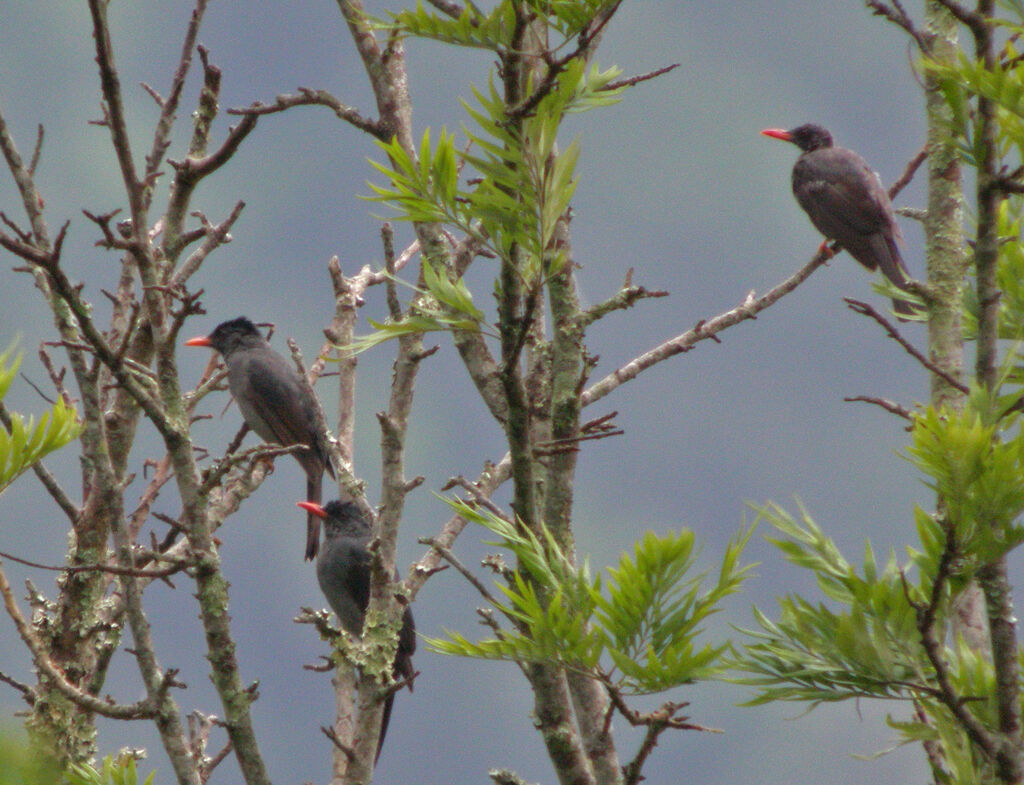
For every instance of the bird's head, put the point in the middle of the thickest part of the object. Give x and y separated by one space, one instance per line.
807 137
228 336
340 518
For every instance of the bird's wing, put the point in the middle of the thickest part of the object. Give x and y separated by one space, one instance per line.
343 571
406 647
357 576
278 406
846 202
841 194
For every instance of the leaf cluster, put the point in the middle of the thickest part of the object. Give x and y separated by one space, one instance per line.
112 772
497 29
520 182
883 630
509 184
980 476
22 765
636 628
1002 83
24 442
817 654
443 304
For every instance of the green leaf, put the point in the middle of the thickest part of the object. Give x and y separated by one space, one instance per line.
26 442
867 647
644 618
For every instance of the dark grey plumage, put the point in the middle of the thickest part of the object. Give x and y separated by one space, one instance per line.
275 402
847 203
343 571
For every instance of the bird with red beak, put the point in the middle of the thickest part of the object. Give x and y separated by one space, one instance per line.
343 572
847 203
276 402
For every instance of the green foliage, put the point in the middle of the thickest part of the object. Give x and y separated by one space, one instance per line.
19 765
27 441
510 185
980 476
961 765
1002 84
119 771
816 654
521 183
444 305
472 29
883 628
1010 276
871 645
22 765
495 29
638 627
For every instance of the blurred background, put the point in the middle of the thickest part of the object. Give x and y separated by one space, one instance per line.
676 184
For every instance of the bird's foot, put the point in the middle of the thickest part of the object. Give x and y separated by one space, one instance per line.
826 250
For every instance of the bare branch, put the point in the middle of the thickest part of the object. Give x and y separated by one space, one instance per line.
635 80
169 105
454 10
625 298
453 560
897 14
703 330
27 693
908 172
889 406
192 170
37 151
310 97
30 197
106 708
866 310
112 569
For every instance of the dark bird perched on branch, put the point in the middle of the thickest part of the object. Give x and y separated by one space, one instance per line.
847 203
343 570
276 402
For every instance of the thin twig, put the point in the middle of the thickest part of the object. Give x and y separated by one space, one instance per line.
897 14
108 568
309 97
144 709
866 310
634 80
453 560
890 406
705 329
908 172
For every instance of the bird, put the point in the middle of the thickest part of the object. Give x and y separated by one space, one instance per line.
276 402
343 572
846 202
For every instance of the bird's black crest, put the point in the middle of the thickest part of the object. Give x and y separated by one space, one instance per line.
345 518
810 137
227 335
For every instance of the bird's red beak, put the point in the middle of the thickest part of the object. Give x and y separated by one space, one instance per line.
202 341
313 507
778 133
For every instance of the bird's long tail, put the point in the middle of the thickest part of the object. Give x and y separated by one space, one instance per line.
881 252
314 490
401 670
385 718
893 268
